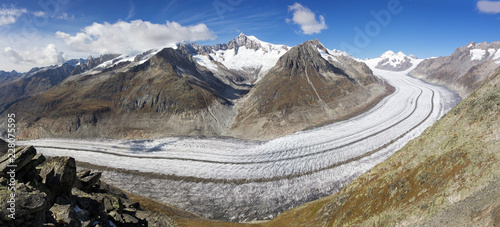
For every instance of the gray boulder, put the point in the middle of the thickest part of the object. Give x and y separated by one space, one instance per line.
64 214
3 147
22 157
59 174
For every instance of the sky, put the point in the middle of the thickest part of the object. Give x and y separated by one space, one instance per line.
39 33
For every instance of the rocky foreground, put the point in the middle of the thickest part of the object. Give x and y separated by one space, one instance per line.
51 192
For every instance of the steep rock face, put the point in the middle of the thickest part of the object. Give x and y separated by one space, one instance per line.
304 90
465 70
150 99
450 174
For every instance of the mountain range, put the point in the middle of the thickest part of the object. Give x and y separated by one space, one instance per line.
447 176
246 88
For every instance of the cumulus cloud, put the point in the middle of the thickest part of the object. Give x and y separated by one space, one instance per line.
48 55
10 15
489 6
132 37
304 17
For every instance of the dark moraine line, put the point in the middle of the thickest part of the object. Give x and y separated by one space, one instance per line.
246 181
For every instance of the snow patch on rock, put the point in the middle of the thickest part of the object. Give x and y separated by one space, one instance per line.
477 54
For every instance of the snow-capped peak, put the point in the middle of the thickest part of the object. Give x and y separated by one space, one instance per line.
483 51
387 54
391 54
394 61
243 53
327 54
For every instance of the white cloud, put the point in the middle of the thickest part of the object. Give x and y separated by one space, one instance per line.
65 16
131 12
489 6
10 15
132 37
304 17
48 55
39 13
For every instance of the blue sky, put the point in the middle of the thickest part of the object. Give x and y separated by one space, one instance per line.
44 32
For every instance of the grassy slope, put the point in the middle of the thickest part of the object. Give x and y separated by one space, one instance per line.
456 158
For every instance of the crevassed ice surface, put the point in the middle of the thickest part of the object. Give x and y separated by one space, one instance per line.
238 180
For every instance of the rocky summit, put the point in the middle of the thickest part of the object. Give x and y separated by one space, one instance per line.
305 89
52 192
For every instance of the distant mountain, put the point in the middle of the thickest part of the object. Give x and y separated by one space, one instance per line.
8 76
309 86
90 63
450 175
245 59
16 86
465 70
38 80
395 61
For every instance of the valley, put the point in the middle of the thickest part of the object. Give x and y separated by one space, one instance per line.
238 113
245 180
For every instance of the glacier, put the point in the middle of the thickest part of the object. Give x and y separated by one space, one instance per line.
238 180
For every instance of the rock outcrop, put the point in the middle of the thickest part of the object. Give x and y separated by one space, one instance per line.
53 193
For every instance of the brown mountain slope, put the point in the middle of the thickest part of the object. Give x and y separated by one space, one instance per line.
449 176
166 95
305 90
31 83
467 69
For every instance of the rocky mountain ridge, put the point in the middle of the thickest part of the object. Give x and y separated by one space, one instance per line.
463 71
8 76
